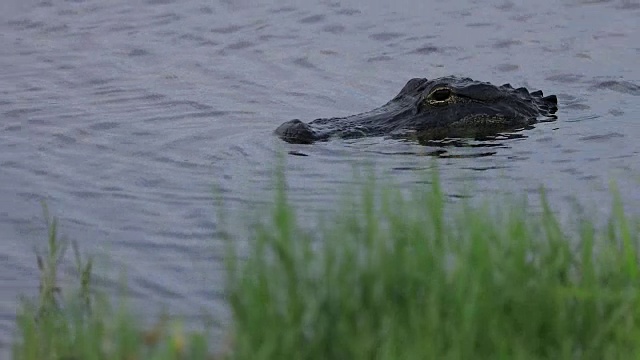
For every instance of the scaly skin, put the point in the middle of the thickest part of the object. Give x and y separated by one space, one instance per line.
447 107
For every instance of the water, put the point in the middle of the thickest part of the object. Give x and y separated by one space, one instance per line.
123 115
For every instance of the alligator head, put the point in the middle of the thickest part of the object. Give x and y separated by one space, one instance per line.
448 107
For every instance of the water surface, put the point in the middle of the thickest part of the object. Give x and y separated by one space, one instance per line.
122 115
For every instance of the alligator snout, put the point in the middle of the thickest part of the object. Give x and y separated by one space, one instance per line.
295 131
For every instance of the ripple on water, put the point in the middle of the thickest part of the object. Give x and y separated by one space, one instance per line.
602 137
621 86
313 19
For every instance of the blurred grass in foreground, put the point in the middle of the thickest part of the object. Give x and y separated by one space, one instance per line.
389 277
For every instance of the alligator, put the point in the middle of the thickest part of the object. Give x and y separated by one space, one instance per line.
446 107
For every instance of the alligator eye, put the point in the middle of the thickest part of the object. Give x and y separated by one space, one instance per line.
441 94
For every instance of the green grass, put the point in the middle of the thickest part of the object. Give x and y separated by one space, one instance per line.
388 277
408 277
83 325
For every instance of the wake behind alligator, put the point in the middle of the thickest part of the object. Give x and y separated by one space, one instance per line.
447 107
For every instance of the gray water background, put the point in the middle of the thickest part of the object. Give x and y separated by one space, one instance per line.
122 115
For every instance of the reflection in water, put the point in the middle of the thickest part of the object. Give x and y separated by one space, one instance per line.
445 147
124 115
484 141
